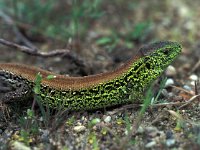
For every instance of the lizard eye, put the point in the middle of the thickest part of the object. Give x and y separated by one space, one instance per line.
166 51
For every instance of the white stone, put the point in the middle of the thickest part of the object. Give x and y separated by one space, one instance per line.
107 119
150 144
19 146
193 77
192 83
170 71
170 142
79 128
187 87
140 130
169 82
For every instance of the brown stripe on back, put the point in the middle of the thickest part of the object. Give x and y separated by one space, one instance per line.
62 82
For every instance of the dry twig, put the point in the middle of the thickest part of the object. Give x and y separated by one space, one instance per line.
190 100
37 52
34 52
32 49
183 90
130 106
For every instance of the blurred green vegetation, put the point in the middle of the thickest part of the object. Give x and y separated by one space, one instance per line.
134 32
54 18
62 20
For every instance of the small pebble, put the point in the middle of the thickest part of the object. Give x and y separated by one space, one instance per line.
151 129
169 134
169 82
187 87
171 94
45 135
192 83
78 123
107 119
165 93
150 144
140 130
19 146
170 142
170 71
193 77
79 128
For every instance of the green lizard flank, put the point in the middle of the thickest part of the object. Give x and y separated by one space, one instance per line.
126 84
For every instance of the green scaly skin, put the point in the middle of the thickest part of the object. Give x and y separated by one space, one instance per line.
127 88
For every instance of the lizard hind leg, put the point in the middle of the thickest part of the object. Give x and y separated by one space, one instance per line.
13 89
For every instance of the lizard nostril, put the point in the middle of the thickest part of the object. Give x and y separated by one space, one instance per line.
148 66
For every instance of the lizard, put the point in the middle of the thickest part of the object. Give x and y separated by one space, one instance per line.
125 84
